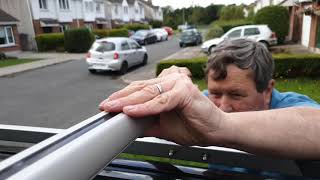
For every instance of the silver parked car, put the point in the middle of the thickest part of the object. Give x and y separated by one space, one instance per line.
115 54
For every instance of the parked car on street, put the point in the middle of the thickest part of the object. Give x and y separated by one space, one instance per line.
144 37
169 30
161 34
115 54
258 33
190 36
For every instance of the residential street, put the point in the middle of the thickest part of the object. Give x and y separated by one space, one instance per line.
64 94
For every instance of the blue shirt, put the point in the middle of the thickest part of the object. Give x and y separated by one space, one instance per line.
287 99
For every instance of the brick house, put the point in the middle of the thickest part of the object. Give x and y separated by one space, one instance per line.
310 37
9 36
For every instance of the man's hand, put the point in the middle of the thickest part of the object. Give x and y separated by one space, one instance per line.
186 116
175 69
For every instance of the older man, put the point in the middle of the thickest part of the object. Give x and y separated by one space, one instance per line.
239 79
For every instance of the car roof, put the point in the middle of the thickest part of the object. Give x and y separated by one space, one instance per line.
113 39
250 26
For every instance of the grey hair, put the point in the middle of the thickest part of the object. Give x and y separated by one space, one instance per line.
245 54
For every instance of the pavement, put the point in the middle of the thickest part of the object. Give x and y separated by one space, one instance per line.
49 59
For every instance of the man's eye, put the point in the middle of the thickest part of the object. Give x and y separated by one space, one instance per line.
216 95
237 95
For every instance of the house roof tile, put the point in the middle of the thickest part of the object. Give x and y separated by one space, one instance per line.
5 17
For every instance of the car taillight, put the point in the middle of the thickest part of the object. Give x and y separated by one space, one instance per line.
88 55
115 56
273 35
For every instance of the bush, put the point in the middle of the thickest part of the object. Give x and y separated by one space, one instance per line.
286 65
227 25
155 24
214 32
112 33
135 27
195 65
78 40
277 18
48 42
297 65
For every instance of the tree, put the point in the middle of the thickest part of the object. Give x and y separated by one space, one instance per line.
277 18
232 12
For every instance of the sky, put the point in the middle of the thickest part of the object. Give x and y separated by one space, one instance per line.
187 3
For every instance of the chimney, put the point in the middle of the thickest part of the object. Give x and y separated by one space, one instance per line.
150 1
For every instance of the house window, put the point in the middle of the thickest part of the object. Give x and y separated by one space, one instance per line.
89 6
43 4
98 7
6 36
47 29
64 4
116 10
64 27
125 10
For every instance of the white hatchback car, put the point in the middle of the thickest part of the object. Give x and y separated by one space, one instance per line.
258 33
161 34
115 54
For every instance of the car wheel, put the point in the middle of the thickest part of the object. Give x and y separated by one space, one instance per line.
92 71
145 59
210 50
265 44
124 68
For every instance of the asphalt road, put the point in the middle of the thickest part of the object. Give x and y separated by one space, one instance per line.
62 95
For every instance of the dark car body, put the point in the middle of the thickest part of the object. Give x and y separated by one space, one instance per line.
190 37
144 37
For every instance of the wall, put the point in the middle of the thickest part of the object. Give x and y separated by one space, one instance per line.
20 10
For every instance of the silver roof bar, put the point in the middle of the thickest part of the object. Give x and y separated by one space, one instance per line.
79 152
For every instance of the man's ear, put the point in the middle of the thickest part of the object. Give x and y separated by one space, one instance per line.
267 93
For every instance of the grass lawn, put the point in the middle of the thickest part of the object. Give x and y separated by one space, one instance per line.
306 86
12 62
164 160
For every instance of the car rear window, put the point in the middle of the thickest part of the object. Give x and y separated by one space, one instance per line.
187 33
251 31
104 46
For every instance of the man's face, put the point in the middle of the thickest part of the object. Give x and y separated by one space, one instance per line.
237 92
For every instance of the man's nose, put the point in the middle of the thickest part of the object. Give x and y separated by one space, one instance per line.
225 104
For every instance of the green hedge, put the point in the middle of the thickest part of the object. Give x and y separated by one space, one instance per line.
297 65
78 40
227 25
48 42
277 18
135 27
195 65
111 33
156 24
214 32
286 65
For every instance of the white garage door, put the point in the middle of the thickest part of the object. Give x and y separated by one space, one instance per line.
306 26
